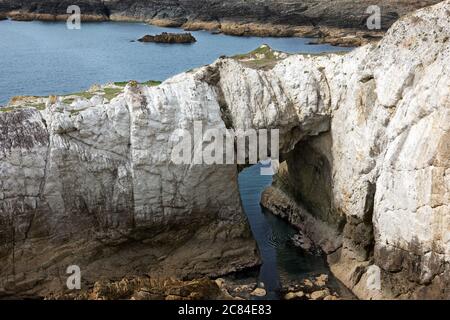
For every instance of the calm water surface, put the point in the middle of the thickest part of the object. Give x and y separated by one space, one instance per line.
282 262
43 58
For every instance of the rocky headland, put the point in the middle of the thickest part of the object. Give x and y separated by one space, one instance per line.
341 22
87 179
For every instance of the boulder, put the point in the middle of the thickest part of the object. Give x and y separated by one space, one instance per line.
320 295
294 295
259 292
321 280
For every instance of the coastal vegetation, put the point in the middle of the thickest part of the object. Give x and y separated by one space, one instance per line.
108 92
263 57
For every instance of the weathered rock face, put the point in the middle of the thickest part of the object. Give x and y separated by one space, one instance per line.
382 167
91 183
92 10
274 11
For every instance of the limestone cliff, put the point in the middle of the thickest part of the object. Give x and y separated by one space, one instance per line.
89 182
364 161
373 190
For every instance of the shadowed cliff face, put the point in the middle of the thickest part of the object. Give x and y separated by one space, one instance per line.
90 181
342 22
54 7
342 13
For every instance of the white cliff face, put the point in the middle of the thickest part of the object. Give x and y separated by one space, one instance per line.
364 136
92 184
389 159
388 138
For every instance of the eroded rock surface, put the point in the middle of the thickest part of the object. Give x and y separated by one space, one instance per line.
378 177
88 181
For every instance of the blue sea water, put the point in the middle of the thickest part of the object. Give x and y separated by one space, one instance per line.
43 58
282 261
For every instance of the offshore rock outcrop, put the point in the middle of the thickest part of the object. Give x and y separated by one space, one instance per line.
169 38
364 165
339 22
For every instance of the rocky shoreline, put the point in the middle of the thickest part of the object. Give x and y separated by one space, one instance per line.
345 37
147 288
27 16
340 23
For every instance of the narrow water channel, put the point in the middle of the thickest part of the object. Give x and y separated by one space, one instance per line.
282 261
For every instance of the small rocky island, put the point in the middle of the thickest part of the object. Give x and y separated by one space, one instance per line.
166 37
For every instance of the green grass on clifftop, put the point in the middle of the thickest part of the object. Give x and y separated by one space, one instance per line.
263 57
150 83
37 106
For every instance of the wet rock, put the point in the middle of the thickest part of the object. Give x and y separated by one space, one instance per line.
173 297
321 280
169 38
220 282
320 295
304 242
258 292
294 295
242 291
245 288
150 289
308 283
145 295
